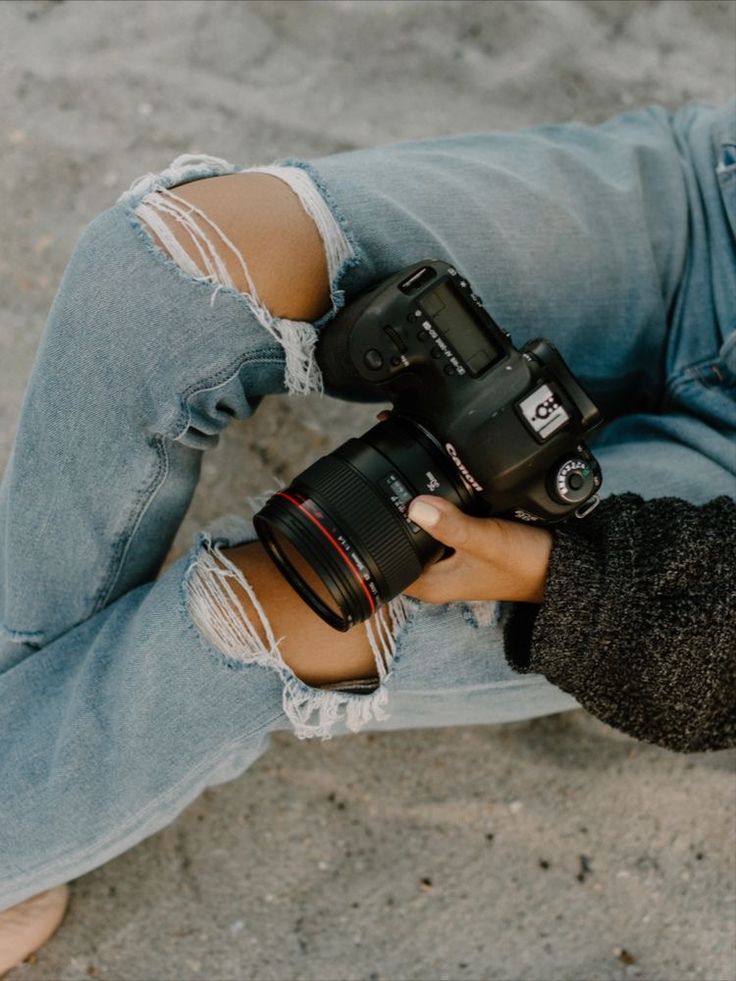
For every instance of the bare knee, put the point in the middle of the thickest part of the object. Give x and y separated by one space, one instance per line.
244 608
247 230
244 603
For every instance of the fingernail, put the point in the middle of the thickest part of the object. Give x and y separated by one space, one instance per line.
423 514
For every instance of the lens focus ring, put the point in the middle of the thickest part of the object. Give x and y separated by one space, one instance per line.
366 518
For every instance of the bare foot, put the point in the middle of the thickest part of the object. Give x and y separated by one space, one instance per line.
26 927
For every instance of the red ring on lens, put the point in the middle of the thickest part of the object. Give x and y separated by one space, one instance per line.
335 544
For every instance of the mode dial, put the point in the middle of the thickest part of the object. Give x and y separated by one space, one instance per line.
574 480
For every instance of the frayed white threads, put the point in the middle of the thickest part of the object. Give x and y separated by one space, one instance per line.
382 630
186 167
314 713
217 611
296 337
161 205
301 363
484 612
168 203
337 247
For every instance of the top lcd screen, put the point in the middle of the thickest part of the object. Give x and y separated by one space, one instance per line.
461 331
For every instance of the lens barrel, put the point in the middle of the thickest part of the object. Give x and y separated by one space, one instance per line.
345 516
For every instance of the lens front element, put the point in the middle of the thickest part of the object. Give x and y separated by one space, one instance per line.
303 571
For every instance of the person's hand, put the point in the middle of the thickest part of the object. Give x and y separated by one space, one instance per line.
492 560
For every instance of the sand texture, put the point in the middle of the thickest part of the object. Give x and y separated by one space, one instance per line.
554 849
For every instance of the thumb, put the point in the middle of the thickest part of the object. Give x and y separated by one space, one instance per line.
448 524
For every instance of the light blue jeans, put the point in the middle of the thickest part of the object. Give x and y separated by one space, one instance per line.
615 241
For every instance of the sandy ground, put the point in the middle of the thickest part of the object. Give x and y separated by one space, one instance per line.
550 849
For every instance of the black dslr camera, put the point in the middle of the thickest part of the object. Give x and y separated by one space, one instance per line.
494 430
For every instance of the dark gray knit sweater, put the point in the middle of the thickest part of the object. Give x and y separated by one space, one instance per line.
639 619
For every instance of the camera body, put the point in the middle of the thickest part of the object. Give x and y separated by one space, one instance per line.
494 430
510 421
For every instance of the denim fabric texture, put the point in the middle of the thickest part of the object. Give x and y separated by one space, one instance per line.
617 242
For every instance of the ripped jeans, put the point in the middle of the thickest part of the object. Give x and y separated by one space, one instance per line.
116 709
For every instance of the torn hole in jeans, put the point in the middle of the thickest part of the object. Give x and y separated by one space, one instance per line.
218 613
162 205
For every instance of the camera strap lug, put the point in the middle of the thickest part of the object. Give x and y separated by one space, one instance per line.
585 509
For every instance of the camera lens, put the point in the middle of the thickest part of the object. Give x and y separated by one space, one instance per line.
339 533
303 571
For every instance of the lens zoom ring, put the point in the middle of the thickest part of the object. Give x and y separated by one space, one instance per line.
366 518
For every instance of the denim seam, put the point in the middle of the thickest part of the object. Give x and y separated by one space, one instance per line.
142 502
179 422
21 636
531 680
696 373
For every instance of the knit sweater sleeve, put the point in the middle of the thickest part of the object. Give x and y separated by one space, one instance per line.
638 621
